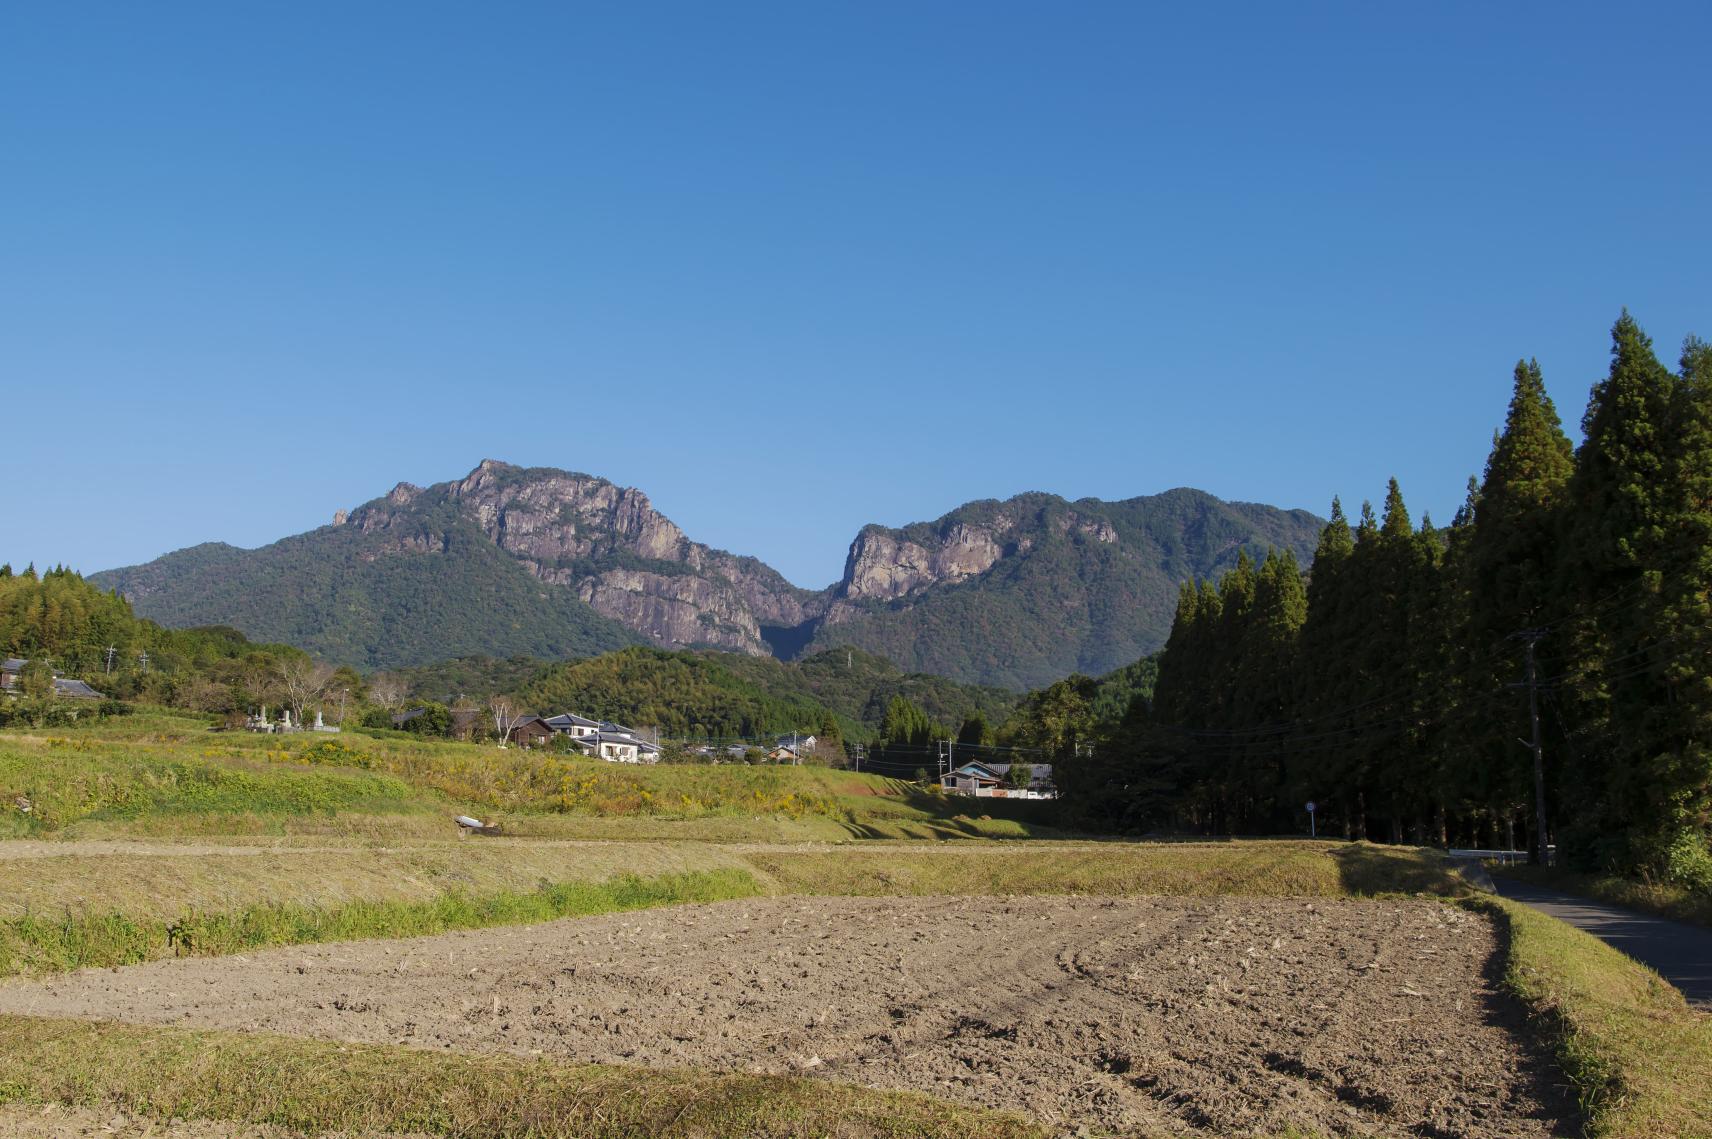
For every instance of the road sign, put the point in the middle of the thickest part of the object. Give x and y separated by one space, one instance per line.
1313 831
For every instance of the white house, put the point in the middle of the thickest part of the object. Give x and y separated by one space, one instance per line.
618 744
992 780
570 724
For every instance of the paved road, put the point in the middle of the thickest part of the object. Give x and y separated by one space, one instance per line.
1681 953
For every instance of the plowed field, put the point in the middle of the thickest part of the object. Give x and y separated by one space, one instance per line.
1153 1015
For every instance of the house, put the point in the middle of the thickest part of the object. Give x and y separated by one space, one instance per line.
11 673
784 753
992 780
797 742
601 739
975 778
619 746
577 727
531 731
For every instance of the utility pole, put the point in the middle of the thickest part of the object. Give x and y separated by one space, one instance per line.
1531 638
861 754
111 649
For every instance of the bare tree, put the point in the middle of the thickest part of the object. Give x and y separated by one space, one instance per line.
302 681
387 690
504 716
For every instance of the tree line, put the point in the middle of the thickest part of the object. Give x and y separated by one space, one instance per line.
1390 685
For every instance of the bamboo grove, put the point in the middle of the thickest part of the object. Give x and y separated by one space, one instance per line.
1387 684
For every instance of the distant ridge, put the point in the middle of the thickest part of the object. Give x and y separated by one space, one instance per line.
555 564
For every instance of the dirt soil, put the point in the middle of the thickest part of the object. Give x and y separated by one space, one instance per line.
1138 1016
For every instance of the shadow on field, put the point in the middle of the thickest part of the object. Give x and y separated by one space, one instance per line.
1364 868
1537 1036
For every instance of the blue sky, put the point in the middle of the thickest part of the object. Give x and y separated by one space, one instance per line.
795 267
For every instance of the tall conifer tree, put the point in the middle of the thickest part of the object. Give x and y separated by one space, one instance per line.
1513 556
1618 812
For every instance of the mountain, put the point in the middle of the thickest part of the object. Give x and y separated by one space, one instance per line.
434 589
543 562
1020 592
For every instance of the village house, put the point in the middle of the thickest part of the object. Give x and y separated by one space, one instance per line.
992 780
793 748
11 671
614 743
618 744
574 726
530 731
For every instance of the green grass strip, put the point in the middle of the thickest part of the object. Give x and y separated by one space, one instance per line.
315 1086
1638 1057
34 945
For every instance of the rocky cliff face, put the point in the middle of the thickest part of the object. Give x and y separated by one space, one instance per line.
884 565
608 544
887 564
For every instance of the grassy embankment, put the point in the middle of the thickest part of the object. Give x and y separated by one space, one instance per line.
1639 1057
161 774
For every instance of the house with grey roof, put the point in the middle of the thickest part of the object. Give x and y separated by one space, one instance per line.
11 672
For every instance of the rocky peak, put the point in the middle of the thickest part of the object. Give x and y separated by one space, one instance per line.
609 544
552 517
883 564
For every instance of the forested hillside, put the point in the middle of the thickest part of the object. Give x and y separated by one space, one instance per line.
860 686
1034 588
1393 687
730 696
65 624
437 590
686 696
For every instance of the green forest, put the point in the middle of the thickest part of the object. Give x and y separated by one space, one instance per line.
1397 685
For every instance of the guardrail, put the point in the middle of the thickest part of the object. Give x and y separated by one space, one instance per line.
1502 856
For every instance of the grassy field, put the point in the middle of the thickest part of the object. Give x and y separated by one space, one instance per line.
166 774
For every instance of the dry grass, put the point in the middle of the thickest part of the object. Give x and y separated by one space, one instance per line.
33 945
164 881
312 1085
1260 868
